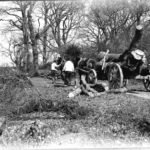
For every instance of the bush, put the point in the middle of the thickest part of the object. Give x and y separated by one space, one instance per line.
46 66
73 51
12 82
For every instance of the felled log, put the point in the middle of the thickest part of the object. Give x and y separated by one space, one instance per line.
137 37
135 41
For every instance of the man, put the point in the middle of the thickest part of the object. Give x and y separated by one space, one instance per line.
54 71
68 71
133 61
88 84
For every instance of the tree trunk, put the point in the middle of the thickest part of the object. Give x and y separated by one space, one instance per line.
58 35
44 49
45 35
25 37
35 56
137 37
34 43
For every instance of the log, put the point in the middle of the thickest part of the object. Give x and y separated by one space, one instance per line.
137 37
135 41
111 57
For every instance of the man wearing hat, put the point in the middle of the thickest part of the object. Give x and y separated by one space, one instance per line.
138 55
134 60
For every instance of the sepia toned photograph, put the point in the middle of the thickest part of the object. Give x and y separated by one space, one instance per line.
75 74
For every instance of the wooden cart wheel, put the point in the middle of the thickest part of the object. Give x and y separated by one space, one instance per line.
92 61
92 77
115 76
146 83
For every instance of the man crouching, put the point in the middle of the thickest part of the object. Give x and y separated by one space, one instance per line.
87 84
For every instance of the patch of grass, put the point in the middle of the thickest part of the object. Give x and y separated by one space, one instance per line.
72 109
108 117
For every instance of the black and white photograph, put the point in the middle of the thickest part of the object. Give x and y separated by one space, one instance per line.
75 74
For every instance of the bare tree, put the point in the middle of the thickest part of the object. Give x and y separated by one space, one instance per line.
35 35
46 9
64 19
14 51
20 19
17 19
104 23
43 15
110 24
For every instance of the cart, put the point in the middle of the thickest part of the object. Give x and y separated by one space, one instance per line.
118 72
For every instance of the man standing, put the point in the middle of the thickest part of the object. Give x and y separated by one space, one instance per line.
68 71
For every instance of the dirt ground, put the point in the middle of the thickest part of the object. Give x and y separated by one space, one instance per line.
113 120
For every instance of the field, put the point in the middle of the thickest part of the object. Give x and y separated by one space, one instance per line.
111 120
